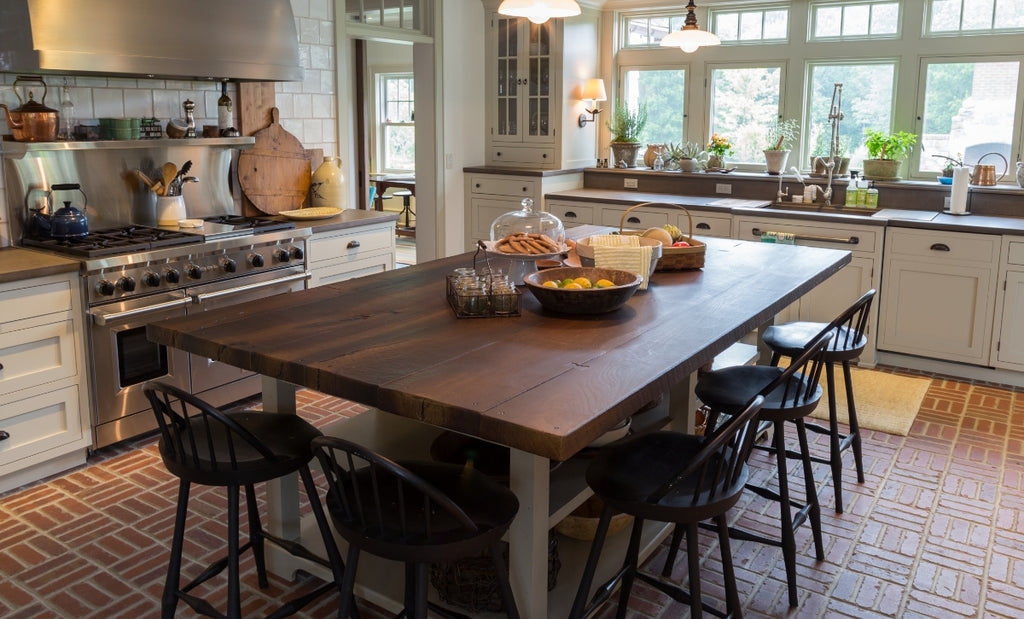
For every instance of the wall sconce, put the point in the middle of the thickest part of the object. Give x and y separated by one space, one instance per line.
539 11
593 91
690 36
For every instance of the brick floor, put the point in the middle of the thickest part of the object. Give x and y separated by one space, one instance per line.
935 531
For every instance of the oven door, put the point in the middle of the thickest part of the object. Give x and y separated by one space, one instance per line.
216 382
123 360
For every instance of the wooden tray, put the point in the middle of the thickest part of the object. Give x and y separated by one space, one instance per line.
274 174
673 258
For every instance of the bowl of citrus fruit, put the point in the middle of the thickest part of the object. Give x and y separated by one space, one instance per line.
582 290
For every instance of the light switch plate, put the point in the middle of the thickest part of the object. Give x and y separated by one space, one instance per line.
630 183
723 188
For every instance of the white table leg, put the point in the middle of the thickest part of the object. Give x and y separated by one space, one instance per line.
282 493
682 405
528 537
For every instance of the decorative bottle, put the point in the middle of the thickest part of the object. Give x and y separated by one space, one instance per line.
67 114
327 185
224 115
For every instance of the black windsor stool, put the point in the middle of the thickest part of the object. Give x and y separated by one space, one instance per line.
848 342
414 512
790 395
202 445
408 229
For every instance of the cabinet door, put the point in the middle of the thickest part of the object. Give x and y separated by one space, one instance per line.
1010 347
833 296
522 92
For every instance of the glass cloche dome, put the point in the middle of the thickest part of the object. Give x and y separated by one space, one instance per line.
529 221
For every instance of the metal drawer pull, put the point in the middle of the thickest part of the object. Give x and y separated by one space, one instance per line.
853 240
1 366
102 318
4 435
633 220
200 298
570 214
939 247
353 244
703 226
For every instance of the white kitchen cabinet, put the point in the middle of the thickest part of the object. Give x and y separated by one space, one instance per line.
337 255
490 195
43 381
1008 347
939 292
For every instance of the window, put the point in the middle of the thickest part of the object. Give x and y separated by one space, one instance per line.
968 111
401 14
744 101
855 20
867 102
649 30
751 26
974 16
395 119
663 90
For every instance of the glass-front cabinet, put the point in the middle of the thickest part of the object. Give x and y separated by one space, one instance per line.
523 88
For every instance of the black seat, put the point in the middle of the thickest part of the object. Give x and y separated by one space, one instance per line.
670 477
202 445
848 342
790 395
414 512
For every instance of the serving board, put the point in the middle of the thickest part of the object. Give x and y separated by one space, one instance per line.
275 173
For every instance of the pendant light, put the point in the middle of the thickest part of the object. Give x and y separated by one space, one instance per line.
690 37
539 11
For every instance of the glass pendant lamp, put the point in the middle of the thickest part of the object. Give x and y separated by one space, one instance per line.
539 11
690 36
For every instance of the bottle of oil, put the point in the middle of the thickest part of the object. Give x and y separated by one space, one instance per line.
224 115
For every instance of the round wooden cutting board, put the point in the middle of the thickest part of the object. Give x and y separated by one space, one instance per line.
275 172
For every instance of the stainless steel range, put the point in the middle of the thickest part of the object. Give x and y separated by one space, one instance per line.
136 275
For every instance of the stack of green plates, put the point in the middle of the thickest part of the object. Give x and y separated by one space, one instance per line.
119 128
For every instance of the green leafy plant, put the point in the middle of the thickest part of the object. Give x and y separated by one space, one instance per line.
893 146
951 163
626 125
686 150
781 134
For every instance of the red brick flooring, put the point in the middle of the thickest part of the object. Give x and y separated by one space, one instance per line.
936 530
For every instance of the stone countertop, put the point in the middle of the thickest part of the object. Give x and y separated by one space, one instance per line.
18 264
518 172
348 218
632 198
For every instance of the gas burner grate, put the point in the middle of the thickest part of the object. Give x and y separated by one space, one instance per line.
115 241
257 224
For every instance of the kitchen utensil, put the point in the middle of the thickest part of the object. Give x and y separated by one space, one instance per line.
31 121
985 175
169 171
170 210
275 173
68 222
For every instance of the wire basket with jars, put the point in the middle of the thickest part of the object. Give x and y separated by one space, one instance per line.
481 291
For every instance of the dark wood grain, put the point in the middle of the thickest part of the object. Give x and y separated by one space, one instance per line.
544 383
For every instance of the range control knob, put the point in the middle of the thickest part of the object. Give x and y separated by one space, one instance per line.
151 279
105 287
255 260
295 252
173 276
282 255
229 265
194 272
126 283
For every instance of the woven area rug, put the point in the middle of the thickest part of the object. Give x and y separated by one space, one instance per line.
885 402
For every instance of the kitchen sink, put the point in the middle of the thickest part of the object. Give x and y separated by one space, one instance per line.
834 209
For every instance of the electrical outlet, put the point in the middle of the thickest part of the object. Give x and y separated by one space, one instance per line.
945 203
723 188
630 183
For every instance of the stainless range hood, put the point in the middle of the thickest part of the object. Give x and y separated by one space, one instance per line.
241 40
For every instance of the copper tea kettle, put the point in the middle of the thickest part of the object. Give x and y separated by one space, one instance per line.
32 121
985 175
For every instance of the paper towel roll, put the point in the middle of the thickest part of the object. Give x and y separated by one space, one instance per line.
958 193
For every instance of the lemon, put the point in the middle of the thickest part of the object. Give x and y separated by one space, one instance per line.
583 282
565 282
550 284
573 286
604 283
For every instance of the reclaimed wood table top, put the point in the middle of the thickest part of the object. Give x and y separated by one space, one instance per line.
544 383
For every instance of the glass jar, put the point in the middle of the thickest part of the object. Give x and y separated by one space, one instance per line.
473 298
503 296
528 221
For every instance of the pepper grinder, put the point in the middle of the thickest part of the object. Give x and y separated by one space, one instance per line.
190 118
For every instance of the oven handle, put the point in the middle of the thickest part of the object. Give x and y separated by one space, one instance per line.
206 296
852 240
102 318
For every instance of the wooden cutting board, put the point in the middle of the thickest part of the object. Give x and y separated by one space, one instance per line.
274 174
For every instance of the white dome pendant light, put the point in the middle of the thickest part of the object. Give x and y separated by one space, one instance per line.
690 37
539 11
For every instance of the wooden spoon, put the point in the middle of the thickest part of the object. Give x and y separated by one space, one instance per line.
169 171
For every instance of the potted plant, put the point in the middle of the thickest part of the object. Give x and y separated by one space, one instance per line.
683 156
886 151
718 148
626 127
779 137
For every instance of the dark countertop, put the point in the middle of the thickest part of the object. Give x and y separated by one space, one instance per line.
18 264
349 218
632 198
519 171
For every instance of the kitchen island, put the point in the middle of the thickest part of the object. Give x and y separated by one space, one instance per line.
542 384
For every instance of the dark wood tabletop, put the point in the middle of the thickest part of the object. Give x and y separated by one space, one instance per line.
544 383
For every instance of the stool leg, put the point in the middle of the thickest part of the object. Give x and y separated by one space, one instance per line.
693 559
630 566
256 535
416 603
169 602
673 551
579 605
234 590
854 425
785 511
835 454
732 595
814 509
501 572
347 606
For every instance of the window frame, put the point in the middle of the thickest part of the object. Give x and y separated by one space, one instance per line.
812 20
716 10
625 17
926 31
781 65
688 85
381 78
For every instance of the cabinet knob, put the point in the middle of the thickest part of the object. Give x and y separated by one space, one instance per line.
4 435
498 154
524 190
478 184
353 244
703 226
544 156
570 215
633 220
939 247
1 366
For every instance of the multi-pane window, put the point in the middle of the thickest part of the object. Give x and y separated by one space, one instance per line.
751 26
974 16
866 103
401 14
663 90
969 111
649 30
396 118
744 102
855 20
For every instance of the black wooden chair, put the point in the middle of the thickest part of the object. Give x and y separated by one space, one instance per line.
417 513
790 395
202 445
670 477
848 342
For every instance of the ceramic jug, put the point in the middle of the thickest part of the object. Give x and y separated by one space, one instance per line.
327 184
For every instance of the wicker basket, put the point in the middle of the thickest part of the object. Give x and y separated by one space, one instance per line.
673 258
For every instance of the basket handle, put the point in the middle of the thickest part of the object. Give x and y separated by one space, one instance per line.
622 220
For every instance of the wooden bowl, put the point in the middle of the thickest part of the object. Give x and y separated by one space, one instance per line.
587 301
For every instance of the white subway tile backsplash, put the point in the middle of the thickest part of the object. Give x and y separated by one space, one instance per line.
323 106
327 82
91 82
285 104
300 8
319 9
138 103
311 81
167 105
312 131
327 32
303 106
108 102
82 99
309 30
319 57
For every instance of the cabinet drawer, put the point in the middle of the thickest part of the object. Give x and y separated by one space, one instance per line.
1015 252
484 212
350 244
705 225
572 214
347 269
507 187
20 302
944 246
39 423
637 219
543 157
37 355
814 235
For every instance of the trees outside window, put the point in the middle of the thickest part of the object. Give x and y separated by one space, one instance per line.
396 122
664 92
744 103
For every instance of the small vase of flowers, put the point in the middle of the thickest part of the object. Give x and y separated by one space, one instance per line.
718 148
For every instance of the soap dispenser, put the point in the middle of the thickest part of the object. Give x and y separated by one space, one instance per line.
871 199
851 190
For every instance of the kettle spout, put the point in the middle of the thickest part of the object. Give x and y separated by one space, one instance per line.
12 122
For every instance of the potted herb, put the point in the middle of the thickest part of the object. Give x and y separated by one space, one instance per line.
779 138
683 156
718 148
886 151
626 127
